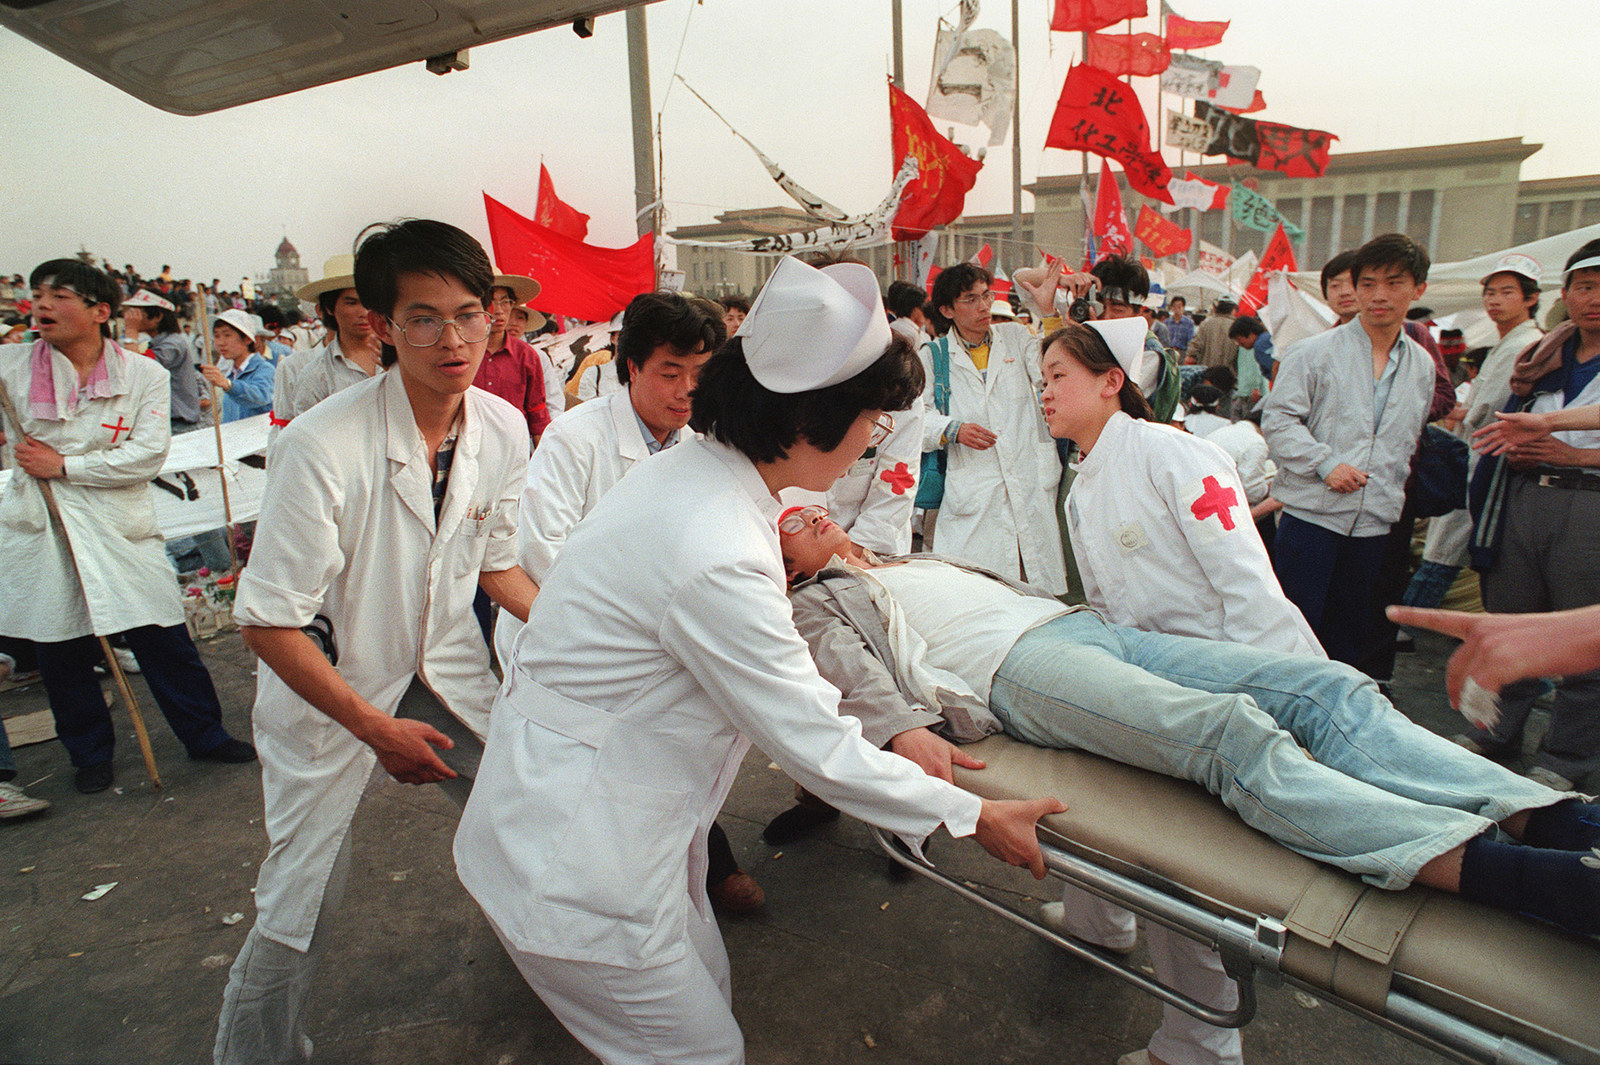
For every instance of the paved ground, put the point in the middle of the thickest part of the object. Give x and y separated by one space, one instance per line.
845 964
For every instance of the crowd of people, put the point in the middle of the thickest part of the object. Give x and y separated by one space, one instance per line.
858 528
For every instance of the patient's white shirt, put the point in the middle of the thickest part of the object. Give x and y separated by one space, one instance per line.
968 622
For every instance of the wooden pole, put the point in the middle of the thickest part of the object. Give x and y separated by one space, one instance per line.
216 422
105 644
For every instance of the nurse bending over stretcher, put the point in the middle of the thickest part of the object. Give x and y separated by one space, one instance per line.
926 651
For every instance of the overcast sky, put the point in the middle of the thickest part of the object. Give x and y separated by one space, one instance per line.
87 165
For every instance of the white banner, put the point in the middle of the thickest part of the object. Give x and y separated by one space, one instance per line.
974 80
1235 87
1214 261
927 244
1187 134
1190 76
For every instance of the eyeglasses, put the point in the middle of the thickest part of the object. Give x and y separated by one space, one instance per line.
424 330
881 429
973 299
796 521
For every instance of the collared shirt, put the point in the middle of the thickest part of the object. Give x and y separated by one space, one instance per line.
515 373
172 351
650 440
1179 332
329 371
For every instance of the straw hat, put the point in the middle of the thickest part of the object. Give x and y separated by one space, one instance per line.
338 274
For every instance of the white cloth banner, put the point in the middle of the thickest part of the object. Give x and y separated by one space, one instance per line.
974 80
927 244
1191 76
1195 193
1235 87
1213 260
1188 135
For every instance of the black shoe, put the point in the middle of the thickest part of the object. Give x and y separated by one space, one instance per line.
94 778
229 750
796 821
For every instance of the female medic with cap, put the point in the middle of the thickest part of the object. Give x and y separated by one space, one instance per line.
584 839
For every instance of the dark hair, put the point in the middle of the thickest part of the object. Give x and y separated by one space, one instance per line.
903 299
1177 299
953 281
736 303
92 286
1225 306
1118 272
1245 326
1206 397
656 318
1091 350
1339 264
270 315
937 325
326 304
1222 377
1588 251
731 406
386 250
292 316
1391 249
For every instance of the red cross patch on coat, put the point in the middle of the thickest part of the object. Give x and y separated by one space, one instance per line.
117 430
1216 501
899 479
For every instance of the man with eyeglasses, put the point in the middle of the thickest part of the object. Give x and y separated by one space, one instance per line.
1002 469
390 505
513 370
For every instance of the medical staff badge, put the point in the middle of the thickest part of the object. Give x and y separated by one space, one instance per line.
1215 501
1131 537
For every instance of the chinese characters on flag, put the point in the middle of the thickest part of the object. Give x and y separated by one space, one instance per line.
944 174
1086 16
1161 235
1183 34
1279 255
1099 114
552 213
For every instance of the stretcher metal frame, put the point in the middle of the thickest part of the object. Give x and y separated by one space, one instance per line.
1247 951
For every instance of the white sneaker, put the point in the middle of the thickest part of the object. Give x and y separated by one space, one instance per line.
14 802
1549 778
126 660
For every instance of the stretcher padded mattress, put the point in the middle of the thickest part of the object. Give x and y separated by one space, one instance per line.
1508 974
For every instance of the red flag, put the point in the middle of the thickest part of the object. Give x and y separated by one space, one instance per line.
944 174
1219 193
1257 103
1099 114
933 272
1279 255
1139 54
1110 220
1291 150
575 279
1086 16
552 213
1161 235
983 257
1183 34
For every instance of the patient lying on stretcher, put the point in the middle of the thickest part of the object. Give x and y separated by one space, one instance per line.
927 651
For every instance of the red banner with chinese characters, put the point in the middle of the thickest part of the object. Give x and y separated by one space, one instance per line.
1139 54
944 174
1183 34
1279 255
1110 222
1099 114
1293 151
1086 16
577 280
554 214
1161 235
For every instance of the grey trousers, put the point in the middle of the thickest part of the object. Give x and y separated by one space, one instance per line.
269 982
1549 560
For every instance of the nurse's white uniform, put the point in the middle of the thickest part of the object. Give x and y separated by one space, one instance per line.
636 687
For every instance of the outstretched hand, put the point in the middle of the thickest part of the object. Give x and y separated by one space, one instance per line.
933 753
1006 829
1497 649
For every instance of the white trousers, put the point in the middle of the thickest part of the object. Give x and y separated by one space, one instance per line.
1193 969
680 1013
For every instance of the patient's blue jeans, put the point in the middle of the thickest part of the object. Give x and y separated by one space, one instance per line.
1378 796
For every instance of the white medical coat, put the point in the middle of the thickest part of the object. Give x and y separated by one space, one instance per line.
659 647
874 498
1162 533
347 531
583 453
112 448
999 504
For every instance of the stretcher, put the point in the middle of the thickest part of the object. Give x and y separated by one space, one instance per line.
1476 984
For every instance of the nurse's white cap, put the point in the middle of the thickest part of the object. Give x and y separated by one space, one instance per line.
1125 338
811 328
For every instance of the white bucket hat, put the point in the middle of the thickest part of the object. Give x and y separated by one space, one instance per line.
245 322
811 328
1516 263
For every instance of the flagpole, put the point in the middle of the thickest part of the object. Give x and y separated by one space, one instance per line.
1083 166
1016 134
644 167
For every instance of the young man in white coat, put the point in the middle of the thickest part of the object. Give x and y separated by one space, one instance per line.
96 427
1002 470
664 341
583 838
391 504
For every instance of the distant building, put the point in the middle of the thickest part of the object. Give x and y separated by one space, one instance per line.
279 283
1457 200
